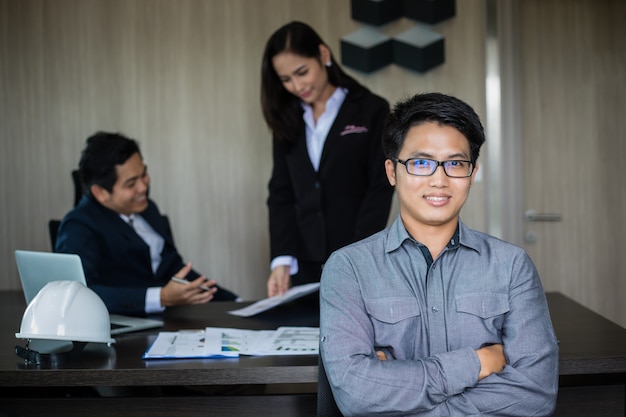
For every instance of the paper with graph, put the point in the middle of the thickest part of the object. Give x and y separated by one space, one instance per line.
220 342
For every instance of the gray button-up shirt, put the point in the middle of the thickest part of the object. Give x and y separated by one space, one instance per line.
381 294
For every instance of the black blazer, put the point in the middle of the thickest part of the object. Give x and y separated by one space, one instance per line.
116 260
314 213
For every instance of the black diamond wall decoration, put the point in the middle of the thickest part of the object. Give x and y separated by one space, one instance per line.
376 12
428 11
366 50
418 48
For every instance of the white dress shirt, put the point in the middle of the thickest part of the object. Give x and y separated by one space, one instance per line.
155 242
317 131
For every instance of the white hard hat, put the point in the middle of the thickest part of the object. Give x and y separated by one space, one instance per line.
66 310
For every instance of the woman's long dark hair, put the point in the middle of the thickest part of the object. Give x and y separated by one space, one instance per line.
281 109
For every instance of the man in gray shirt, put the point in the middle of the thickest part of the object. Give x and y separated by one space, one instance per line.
429 317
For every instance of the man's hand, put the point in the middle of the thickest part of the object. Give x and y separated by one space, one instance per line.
174 293
279 281
492 360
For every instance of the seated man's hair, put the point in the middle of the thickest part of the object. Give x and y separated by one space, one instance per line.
103 152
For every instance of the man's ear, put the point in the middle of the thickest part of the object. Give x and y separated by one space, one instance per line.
99 193
390 170
473 177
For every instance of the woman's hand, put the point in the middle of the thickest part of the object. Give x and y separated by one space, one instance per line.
279 281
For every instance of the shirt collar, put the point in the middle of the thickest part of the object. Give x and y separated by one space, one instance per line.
128 219
333 103
397 234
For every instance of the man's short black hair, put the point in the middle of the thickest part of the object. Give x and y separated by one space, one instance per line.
432 107
103 151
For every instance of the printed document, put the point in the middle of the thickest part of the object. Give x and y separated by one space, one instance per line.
218 342
271 302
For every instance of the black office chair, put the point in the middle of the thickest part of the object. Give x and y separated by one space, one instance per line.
53 229
78 187
53 224
326 405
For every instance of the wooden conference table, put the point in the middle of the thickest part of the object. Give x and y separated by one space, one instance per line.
592 368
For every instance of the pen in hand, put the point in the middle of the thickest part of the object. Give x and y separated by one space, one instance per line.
185 282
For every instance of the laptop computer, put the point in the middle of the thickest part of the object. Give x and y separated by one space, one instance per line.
36 269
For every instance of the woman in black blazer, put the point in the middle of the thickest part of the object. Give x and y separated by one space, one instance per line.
328 186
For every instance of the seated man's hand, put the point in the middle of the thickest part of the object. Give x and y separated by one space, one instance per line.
492 360
195 292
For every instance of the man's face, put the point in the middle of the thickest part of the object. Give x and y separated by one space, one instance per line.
130 191
428 203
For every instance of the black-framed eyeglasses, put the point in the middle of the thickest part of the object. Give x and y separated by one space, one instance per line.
423 167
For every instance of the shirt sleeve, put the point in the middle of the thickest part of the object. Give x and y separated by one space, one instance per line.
286 260
529 383
153 300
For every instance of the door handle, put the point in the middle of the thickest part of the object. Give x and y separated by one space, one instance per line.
533 216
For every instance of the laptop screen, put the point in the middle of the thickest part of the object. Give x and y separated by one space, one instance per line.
36 269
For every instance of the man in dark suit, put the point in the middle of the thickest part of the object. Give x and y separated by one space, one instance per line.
125 244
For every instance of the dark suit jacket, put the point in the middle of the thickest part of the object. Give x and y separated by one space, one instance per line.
116 260
349 198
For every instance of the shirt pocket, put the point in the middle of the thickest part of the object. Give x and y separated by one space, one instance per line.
482 315
396 322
